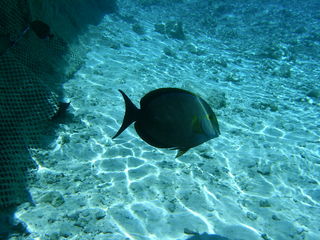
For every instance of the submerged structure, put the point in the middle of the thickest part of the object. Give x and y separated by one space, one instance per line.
38 51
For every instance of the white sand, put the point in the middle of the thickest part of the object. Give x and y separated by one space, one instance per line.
258 180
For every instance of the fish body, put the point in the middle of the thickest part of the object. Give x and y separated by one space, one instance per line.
171 118
62 109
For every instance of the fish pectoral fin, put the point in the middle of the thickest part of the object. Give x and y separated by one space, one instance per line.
196 125
181 152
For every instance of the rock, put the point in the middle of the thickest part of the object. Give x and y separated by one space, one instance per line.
265 106
192 48
109 42
137 28
264 169
218 99
50 177
275 217
171 206
265 236
54 236
232 78
160 28
54 198
66 230
283 71
100 214
264 203
172 29
314 93
252 216
273 52
169 52
10 225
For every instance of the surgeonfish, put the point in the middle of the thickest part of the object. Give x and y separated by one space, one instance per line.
62 110
171 118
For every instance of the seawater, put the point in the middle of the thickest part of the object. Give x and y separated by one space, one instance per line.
255 62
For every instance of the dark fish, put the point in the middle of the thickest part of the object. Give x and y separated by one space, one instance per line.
171 118
41 29
206 236
62 109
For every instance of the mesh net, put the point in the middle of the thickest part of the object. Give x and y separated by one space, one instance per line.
29 69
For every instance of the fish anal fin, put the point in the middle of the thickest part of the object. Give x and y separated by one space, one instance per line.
181 152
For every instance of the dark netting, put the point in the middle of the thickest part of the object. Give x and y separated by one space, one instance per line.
33 66
31 72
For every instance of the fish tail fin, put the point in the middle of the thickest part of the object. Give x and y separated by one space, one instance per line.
130 115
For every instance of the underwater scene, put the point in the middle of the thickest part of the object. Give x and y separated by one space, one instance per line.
214 134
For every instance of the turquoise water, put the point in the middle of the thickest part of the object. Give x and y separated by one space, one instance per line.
255 63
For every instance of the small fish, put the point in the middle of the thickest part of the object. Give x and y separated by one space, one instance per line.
41 29
171 118
204 236
62 109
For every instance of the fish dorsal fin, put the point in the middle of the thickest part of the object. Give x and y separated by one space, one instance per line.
130 115
160 92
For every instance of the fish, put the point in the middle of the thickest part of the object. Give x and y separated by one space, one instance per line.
62 110
41 29
171 118
203 236
206 236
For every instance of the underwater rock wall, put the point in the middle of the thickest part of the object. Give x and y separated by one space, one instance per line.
68 18
32 70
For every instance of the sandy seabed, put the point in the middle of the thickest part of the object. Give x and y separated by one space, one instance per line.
258 180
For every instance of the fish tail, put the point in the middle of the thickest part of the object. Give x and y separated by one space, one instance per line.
130 116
